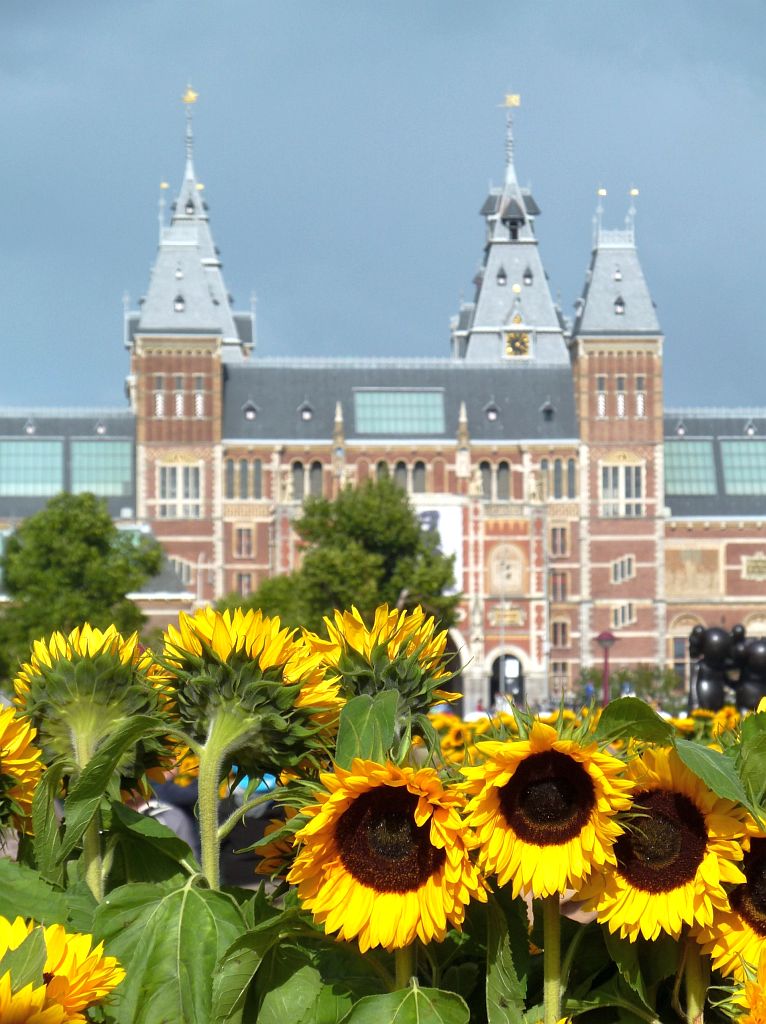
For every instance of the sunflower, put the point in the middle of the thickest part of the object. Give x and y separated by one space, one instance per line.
750 1000
77 975
681 843
77 688
249 667
20 768
543 809
402 650
737 935
28 1005
384 856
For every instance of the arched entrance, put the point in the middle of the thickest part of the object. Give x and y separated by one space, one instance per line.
507 679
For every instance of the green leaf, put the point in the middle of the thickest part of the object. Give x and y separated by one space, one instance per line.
616 992
414 1005
715 769
47 837
25 893
145 850
626 956
630 717
237 967
752 755
85 795
294 987
26 962
506 983
169 940
366 728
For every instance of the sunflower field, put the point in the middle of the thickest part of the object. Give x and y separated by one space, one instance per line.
607 867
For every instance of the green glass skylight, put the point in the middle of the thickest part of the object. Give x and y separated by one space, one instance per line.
744 466
31 468
689 467
102 467
399 411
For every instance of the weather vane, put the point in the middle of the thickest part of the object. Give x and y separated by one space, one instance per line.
189 98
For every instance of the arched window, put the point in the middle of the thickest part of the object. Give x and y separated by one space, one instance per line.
257 478
545 479
381 471
243 481
400 475
503 481
229 478
298 481
315 479
419 478
571 479
558 479
486 479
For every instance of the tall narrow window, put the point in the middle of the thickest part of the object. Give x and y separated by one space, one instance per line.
243 542
558 479
316 479
486 479
503 481
622 491
244 490
571 479
381 471
228 479
419 478
558 586
257 478
400 475
620 396
191 508
298 481
640 397
601 397
244 584
159 395
558 540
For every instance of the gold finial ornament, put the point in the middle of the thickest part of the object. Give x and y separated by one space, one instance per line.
633 192
512 99
601 192
164 185
190 96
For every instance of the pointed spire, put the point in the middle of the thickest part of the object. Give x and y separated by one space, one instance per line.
630 217
598 216
189 98
463 438
511 100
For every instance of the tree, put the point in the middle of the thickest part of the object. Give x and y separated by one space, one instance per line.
69 564
364 548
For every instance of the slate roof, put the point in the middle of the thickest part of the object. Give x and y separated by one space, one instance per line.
719 427
615 279
278 389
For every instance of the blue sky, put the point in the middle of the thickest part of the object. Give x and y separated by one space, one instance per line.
346 149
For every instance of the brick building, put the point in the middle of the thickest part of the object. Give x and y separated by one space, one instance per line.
573 500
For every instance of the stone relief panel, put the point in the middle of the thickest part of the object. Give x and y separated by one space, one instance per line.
693 572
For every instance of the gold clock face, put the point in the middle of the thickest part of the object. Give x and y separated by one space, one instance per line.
516 343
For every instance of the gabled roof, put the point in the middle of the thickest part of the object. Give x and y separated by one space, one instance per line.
296 401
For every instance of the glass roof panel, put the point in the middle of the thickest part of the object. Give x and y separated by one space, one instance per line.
399 411
744 466
689 467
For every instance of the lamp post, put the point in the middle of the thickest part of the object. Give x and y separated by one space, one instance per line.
606 641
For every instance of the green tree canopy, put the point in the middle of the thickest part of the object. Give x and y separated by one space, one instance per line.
69 564
364 548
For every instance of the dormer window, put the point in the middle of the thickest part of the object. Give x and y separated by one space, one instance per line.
189 208
617 275
528 277
179 273
750 429
30 427
249 411
619 305
100 428
502 277
492 412
305 412
680 429
547 410
179 304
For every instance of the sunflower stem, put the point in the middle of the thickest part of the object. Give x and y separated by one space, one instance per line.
552 958
404 960
238 815
84 731
696 976
226 730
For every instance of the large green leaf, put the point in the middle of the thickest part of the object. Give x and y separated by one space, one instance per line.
366 727
47 837
25 893
85 795
145 850
752 756
169 940
26 962
717 771
506 964
413 1005
632 718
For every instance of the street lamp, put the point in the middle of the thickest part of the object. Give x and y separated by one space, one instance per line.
606 641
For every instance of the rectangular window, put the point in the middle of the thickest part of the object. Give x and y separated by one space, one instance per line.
744 466
34 468
621 491
182 568
244 584
623 569
559 677
558 586
558 540
623 615
178 403
179 492
159 404
640 396
257 478
104 468
178 382
199 382
680 657
243 542
399 411
199 405
560 633
601 397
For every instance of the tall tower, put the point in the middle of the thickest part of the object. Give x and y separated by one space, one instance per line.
512 316
617 358
179 339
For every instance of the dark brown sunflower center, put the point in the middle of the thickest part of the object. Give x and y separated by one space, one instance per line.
663 845
549 799
749 900
380 844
